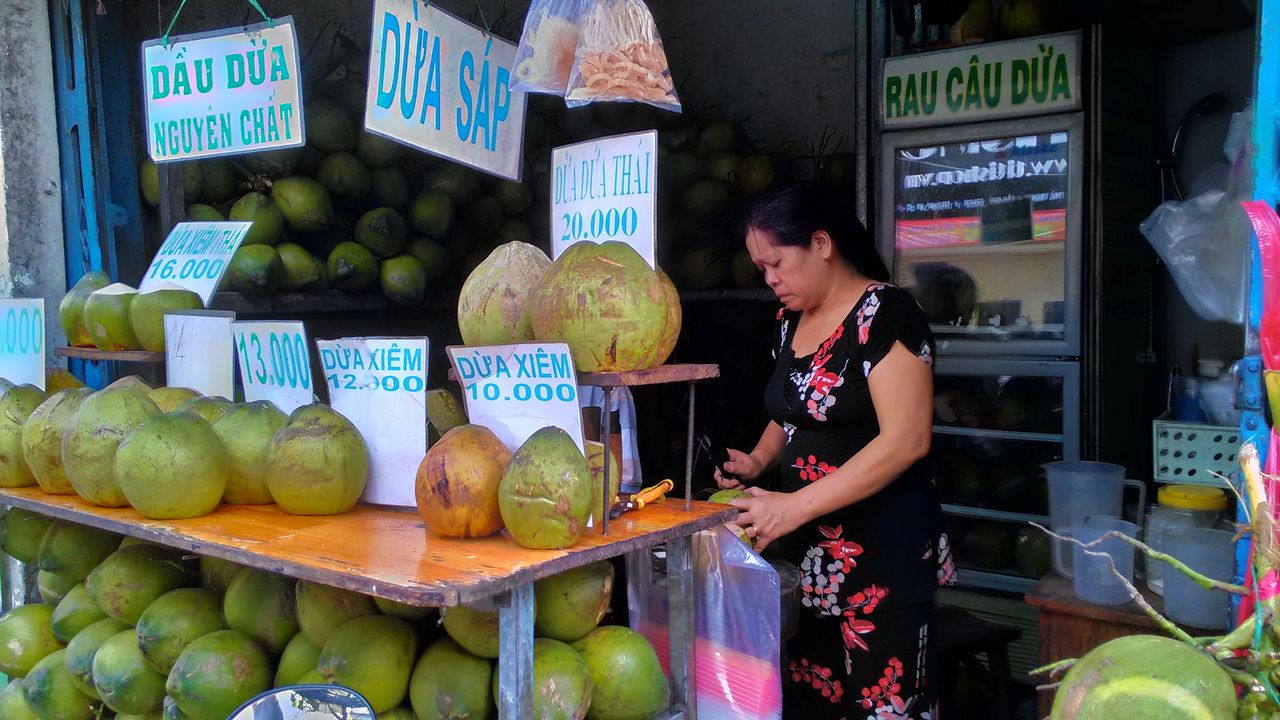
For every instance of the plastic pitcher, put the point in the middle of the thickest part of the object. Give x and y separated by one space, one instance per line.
1210 553
1093 580
1078 489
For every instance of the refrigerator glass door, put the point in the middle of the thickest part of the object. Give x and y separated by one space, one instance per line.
983 225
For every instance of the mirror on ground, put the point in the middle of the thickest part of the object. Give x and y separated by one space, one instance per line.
306 702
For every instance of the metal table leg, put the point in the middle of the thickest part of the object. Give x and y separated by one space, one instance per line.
515 654
606 431
688 451
682 630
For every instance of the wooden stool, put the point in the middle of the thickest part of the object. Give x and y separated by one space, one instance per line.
957 638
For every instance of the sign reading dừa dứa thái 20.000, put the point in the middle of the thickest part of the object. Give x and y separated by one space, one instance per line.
223 92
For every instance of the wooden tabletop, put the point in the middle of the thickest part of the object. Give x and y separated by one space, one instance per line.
1056 593
378 551
89 353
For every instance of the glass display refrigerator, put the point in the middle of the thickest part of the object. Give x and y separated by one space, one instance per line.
1012 233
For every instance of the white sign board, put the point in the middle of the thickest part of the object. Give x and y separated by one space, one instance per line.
223 92
444 86
198 352
605 190
982 82
274 362
516 390
195 256
380 385
22 341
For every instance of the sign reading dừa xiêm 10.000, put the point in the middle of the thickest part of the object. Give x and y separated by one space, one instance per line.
223 92
983 82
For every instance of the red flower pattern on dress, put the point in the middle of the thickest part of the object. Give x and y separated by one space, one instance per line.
866 313
886 694
821 381
852 627
812 469
817 677
842 550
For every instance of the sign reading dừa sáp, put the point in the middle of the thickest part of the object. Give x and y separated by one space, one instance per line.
223 92
444 86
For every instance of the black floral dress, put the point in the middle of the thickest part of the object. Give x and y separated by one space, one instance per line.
870 569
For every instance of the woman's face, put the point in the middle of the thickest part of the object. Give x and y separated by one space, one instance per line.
797 275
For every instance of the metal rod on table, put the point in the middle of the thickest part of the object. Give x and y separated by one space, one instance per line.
680 621
515 654
606 420
688 452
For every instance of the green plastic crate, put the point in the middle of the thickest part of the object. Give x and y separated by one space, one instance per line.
1191 453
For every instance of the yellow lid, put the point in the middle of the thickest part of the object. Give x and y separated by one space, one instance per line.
1192 497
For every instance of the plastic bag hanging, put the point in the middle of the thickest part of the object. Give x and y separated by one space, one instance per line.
544 58
620 57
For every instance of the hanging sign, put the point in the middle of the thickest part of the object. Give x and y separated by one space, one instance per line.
198 352
603 190
380 385
982 82
444 86
274 362
223 92
195 256
516 390
22 341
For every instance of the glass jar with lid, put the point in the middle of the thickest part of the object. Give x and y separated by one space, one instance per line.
1180 506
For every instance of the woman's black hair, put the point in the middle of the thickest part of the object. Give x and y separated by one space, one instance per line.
792 214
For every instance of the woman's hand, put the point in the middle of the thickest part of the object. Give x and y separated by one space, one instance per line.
767 516
742 466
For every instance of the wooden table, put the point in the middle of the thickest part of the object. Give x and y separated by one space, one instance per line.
389 554
1071 627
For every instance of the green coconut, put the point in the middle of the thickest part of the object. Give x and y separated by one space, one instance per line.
345 176
448 682
174 621
433 256
431 214
595 460
626 680
16 406
75 612
246 431
573 603
302 270
82 649
53 587
475 630
329 126
89 446
26 638
351 267
390 187
173 466
125 681
255 270
169 399
13 704
402 610
22 532
210 409
132 578
146 312
216 674
71 309
304 203
106 316
383 231
73 550
377 151
318 463
262 606
372 655
200 212
268 222
608 305
494 305
42 439
299 658
1144 677
216 574
457 483
444 411
561 682
50 692
323 609
545 494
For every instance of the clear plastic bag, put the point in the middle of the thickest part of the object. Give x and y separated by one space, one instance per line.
544 58
737 611
620 57
1204 240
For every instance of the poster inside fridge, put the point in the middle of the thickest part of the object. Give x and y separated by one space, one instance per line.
981 223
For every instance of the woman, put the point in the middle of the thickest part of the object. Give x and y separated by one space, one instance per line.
851 402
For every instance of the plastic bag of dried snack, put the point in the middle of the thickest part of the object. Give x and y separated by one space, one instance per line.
547 45
619 57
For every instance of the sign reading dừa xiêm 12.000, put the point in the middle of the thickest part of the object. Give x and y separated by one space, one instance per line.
223 92
983 82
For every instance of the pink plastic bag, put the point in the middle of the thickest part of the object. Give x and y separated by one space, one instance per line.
737 596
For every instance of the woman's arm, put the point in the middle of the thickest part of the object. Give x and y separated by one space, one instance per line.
749 466
902 393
